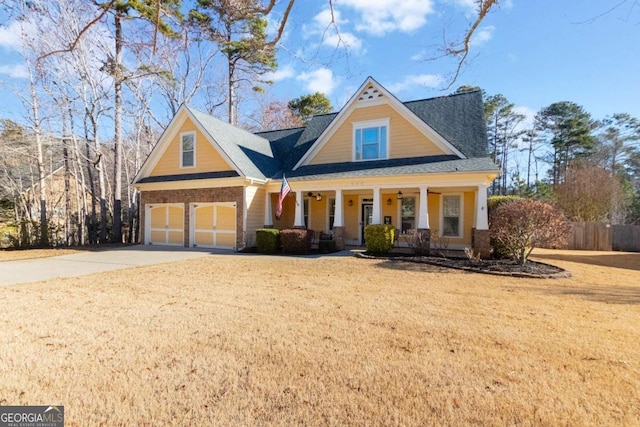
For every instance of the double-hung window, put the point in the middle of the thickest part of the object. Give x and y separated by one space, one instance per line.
370 140
451 216
188 150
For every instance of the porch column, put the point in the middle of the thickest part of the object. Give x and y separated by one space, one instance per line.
423 209
482 216
424 239
377 211
299 213
480 238
268 219
338 221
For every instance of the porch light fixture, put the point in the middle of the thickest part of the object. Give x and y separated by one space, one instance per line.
317 196
389 201
350 202
399 196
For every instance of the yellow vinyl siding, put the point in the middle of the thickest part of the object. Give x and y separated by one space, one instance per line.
207 158
404 139
255 200
288 211
318 214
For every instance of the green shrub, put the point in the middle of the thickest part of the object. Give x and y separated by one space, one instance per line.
296 241
327 246
494 202
267 240
379 238
498 250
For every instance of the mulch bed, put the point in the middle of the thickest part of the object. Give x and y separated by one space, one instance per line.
500 267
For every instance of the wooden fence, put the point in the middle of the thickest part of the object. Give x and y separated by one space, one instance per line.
598 236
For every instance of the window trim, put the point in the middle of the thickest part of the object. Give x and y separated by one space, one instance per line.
460 216
182 135
370 124
415 209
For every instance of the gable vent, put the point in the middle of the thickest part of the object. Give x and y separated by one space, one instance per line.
370 94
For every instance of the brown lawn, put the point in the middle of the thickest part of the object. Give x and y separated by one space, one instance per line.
252 340
18 254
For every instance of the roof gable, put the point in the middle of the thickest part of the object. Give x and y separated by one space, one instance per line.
247 154
373 93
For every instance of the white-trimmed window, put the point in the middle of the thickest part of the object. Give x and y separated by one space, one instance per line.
408 214
371 140
451 215
188 149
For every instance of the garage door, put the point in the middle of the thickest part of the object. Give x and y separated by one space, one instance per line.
213 225
166 224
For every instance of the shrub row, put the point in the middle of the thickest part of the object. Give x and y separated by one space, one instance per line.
292 241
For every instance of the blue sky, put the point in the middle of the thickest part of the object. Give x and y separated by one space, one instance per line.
533 52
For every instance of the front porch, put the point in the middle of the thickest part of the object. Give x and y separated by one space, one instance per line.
453 217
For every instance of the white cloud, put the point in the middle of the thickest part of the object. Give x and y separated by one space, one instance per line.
528 113
423 80
281 73
347 40
328 28
320 80
482 35
379 17
17 71
420 56
11 36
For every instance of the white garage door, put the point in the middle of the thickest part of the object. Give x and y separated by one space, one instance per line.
165 225
213 225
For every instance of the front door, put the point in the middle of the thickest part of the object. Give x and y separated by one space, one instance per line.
367 217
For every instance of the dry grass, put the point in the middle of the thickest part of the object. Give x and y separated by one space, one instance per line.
18 254
250 340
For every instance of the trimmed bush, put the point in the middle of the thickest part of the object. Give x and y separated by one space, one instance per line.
267 240
379 238
494 202
521 225
296 241
327 246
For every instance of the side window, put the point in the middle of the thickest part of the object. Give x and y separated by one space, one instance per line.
451 208
408 208
332 212
188 149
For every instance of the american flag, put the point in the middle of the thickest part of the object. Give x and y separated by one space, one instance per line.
284 190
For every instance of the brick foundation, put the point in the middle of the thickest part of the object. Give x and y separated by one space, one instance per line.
426 240
338 236
481 242
200 195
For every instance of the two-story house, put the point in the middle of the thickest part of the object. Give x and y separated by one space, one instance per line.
416 165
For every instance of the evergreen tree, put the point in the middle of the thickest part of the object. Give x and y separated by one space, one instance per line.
567 128
310 105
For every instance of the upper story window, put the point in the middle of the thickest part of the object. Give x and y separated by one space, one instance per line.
370 140
188 150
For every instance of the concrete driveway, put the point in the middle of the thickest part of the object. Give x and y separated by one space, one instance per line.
81 264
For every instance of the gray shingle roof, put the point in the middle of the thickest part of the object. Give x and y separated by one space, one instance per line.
457 118
407 166
251 154
189 176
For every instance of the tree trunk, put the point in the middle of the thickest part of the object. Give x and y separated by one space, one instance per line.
117 143
44 228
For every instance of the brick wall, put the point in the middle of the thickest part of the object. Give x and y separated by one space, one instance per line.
200 195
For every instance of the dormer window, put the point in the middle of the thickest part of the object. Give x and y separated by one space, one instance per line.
188 150
370 140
